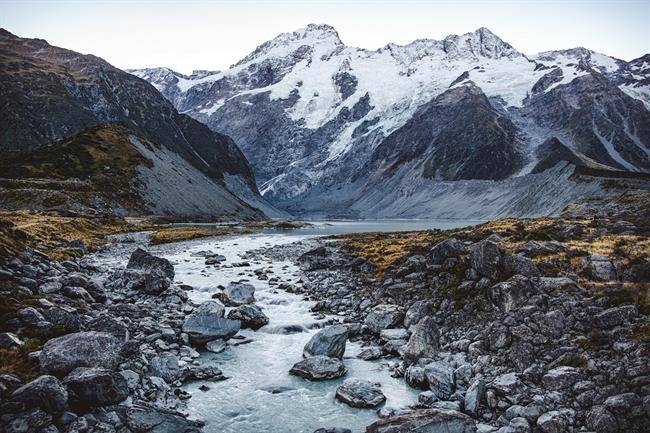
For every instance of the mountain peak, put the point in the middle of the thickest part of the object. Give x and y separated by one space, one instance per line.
479 43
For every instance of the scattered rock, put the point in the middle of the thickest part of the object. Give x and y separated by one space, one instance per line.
384 316
82 349
319 368
360 393
329 341
425 421
250 316
92 387
44 392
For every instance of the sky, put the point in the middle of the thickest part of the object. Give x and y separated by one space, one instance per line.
213 34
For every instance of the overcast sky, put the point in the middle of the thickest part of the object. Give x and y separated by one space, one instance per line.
187 35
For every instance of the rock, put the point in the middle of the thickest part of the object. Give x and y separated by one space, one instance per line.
621 404
600 420
64 316
506 384
371 353
109 324
30 316
333 430
236 294
250 316
599 267
450 247
165 366
319 368
561 378
485 258
416 378
416 312
615 316
156 282
207 323
515 264
10 341
215 346
394 334
29 422
512 293
78 293
314 259
384 316
440 376
423 342
425 421
82 349
44 392
556 421
142 260
360 393
151 421
475 396
329 341
93 387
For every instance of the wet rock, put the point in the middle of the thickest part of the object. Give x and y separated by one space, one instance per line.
450 247
215 346
485 258
416 378
93 387
10 341
236 294
371 353
360 393
82 349
512 293
45 392
250 316
440 376
425 421
424 341
384 316
142 260
165 366
319 368
329 341
207 323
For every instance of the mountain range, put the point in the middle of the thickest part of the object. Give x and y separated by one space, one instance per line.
334 130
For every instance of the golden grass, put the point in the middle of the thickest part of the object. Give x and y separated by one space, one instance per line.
167 235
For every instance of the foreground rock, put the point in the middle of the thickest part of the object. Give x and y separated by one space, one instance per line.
250 316
423 342
384 316
45 392
328 342
236 294
207 323
360 393
93 387
82 349
425 421
319 368
142 260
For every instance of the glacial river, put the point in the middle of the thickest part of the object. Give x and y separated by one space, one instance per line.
260 395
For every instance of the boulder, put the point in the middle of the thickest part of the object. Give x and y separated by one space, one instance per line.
329 341
561 378
207 323
82 349
425 421
45 392
78 293
416 378
142 260
450 247
440 376
416 312
615 316
515 264
236 294
94 387
485 258
512 293
315 259
319 368
10 341
423 342
165 366
599 267
556 421
360 393
152 421
371 353
215 346
475 396
384 316
600 420
156 282
250 316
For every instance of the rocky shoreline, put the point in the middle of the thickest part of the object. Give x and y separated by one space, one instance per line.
512 326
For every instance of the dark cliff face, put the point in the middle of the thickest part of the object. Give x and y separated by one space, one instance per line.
458 135
49 93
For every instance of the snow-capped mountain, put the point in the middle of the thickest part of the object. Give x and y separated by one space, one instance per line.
318 119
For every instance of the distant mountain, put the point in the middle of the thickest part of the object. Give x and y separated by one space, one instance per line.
322 123
50 93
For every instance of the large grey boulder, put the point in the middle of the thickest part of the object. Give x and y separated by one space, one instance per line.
360 393
329 341
45 392
82 349
384 316
236 294
415 377
556 421
207 323
600 420
485 258
319 368
474 396
165 366
450 247
425 421
93 387
599 267
440 376
512 293
250 316
152 421
561 377
515 264
424 341
156 282
416 312
142 260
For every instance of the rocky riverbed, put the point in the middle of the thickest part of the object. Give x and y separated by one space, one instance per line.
510 326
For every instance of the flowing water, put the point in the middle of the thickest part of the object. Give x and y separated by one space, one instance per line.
260 395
